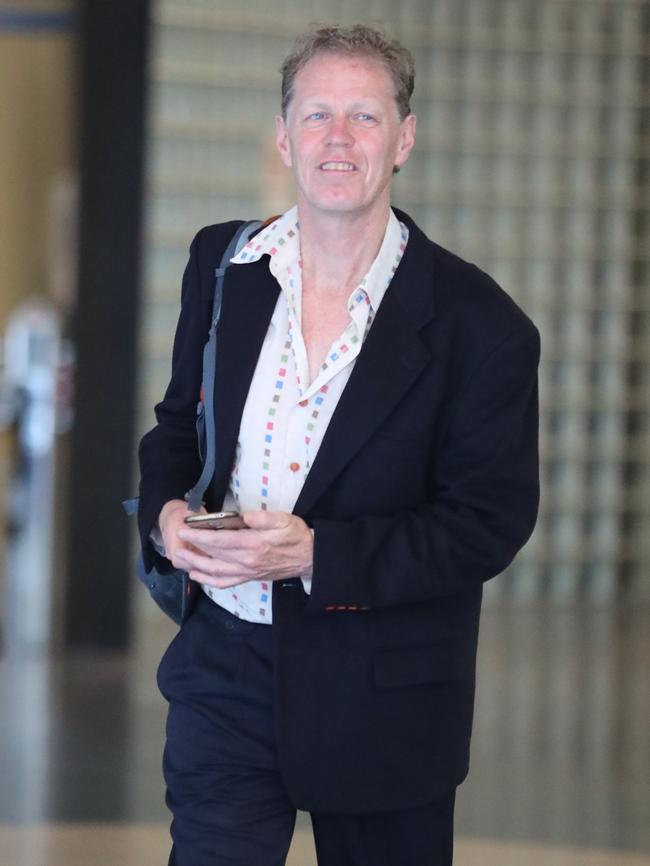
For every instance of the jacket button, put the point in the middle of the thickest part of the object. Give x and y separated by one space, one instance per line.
304 403
294 467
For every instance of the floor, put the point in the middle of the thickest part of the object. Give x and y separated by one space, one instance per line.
560 761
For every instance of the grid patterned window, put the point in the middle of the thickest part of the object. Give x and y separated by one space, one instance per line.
532 161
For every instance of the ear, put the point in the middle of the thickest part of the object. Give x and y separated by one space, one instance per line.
406 140
282 140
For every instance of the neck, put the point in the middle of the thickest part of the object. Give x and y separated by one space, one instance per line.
338 249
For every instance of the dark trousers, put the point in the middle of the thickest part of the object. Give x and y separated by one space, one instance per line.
224 788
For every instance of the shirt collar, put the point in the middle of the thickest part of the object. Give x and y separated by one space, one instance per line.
281 241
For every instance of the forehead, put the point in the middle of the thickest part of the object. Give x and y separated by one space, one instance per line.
329 75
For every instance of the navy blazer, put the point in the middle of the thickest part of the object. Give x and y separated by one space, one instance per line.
425 486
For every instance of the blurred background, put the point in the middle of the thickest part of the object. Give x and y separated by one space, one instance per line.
125 126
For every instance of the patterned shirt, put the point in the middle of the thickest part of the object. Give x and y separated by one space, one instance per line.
286 415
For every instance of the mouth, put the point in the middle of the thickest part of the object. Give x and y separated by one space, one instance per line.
337 165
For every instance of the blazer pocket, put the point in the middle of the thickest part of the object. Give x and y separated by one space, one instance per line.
418 665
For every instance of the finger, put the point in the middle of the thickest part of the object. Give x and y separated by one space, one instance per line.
176 556
243 558
211 566
247 559
263 520
218 539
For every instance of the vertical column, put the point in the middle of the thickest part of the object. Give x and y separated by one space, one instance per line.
113 37
637 465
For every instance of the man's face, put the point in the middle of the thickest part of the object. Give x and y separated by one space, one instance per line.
343 135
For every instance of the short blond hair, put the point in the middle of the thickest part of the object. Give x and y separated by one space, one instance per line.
356 41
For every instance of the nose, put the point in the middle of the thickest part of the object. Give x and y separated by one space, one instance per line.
339 131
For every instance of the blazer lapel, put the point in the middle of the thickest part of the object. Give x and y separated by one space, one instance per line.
391 359
249 298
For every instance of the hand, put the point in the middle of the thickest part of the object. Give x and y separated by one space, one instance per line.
171 520
274 545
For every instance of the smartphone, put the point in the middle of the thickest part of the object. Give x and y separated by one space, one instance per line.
216 520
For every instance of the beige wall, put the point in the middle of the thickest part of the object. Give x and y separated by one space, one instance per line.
35 152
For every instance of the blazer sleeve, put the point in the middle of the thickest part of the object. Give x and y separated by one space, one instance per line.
168 454
483 504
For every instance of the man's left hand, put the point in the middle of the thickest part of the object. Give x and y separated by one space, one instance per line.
274 545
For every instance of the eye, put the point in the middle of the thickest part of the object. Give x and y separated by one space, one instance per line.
364 117
316 116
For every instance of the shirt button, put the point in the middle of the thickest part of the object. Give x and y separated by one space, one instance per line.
294 467
304 403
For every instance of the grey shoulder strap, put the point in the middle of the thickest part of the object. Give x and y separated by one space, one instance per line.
240 238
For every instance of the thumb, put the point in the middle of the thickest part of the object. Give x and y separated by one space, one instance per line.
265 519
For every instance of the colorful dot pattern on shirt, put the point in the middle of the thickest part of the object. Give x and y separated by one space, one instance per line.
285 358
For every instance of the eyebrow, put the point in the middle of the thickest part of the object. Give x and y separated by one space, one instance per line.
370 104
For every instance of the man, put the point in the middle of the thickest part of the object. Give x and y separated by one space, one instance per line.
376 425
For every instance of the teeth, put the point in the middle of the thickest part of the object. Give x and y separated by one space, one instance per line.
337 166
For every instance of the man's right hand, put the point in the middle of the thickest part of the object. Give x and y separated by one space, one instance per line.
171 519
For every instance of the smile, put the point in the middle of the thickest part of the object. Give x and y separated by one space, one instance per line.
337 166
